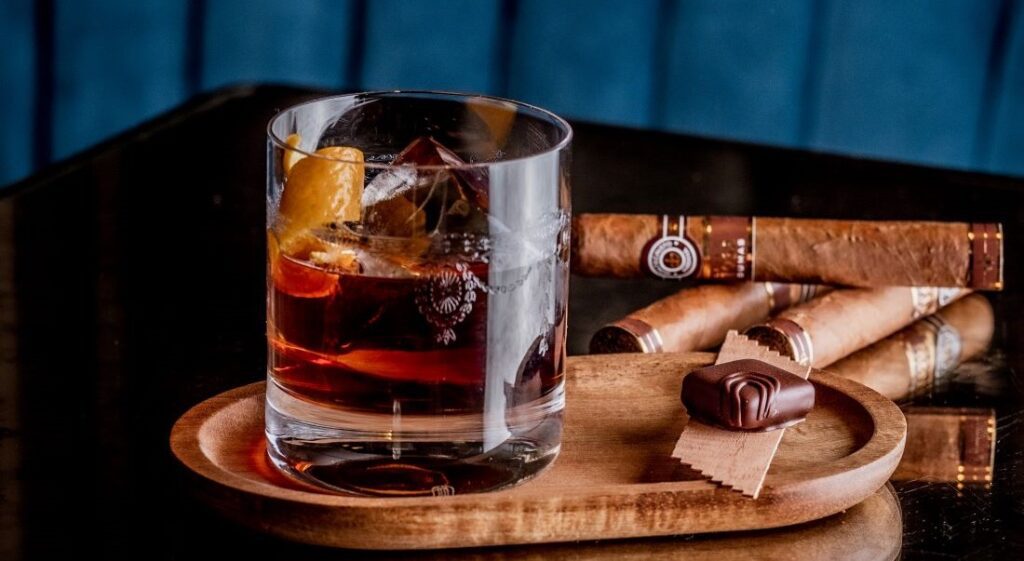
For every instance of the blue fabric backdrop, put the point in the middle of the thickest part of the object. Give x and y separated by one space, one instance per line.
929 81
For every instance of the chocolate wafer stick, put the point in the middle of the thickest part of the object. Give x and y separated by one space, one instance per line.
924 354
698 318
841 322
840 252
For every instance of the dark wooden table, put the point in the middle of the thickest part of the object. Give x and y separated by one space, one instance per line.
131 287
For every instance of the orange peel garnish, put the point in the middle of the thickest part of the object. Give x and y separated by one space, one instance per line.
291 157
296 278
319 191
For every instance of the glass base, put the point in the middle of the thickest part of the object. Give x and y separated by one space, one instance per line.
403 465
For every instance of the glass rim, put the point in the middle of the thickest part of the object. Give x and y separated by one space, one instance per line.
559 122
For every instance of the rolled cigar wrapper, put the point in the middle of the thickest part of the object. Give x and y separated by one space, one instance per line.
698 318
924 354
826 329
948 444
840 252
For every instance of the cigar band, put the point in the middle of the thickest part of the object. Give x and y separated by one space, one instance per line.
986 261
647 336
933 349
727 247
782 296
778 297
707 247
672 255
977 445
798 340
926 300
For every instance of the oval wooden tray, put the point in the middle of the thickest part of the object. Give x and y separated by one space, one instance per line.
871 530
613 479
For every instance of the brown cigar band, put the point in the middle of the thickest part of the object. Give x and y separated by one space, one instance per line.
783 295
926 300
627 335
986 268
785 337
728 248
708 247
948 444
934 349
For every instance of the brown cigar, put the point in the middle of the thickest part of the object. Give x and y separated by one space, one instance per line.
698 318
948 444
923 355
827 329
840 252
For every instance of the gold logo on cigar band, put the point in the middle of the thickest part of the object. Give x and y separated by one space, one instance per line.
672 255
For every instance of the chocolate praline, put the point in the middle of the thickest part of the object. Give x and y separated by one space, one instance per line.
747 395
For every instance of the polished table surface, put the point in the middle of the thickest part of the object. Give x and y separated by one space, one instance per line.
131 287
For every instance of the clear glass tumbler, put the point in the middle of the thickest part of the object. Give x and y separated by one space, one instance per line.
417 281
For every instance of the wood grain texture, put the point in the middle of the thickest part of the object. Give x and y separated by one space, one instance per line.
835 538
614 478
735 459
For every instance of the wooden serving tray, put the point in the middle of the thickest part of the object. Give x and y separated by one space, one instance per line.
871 530
613 479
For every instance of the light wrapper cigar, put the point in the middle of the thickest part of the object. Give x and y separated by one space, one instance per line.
826 329
698 318
948 444
924 354
839 252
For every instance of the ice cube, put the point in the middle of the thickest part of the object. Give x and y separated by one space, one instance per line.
472 181
336 258
408 200
392 259
389 184
385 265
388 204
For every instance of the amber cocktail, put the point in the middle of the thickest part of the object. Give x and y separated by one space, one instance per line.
417 279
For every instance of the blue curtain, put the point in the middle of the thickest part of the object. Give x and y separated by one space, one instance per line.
928 81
